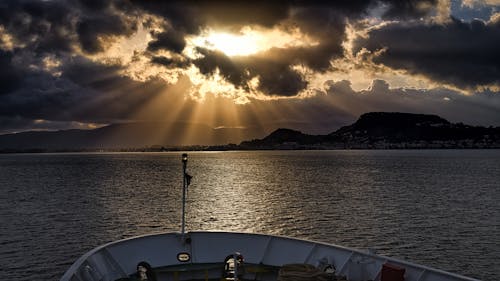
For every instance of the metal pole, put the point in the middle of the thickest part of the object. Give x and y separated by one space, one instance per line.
235 257
184 164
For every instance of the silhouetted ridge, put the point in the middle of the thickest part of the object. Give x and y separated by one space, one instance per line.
124 135
374 120
386 130
394 126
404 127
283 137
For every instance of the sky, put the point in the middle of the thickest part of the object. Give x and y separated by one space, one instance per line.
313 66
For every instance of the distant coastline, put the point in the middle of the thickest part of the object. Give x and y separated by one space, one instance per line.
375 130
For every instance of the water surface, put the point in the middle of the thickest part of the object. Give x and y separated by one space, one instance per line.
434 207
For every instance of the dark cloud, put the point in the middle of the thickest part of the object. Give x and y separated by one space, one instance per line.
407 9
228 13
170 40
393 9
41 26
57 26
95 5
77 88
230 69
87 73
461 53
324 25
190 16
276 77
90 30
170 62
183 18
86 91
10 76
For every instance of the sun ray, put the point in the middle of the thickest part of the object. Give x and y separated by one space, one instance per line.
264 112
166 108
195 120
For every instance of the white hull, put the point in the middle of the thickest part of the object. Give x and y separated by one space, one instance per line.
208 250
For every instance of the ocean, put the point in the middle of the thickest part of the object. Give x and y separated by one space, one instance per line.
439 208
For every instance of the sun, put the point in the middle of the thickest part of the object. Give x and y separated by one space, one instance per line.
249 40
234 45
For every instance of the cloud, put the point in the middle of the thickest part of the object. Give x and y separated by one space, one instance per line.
170 62
61 26
191 17
57 65
495 18
274 69
213 60
64 27
92 31
409 9
10 76
464 54
85 91
482 108
40 26
480 3
169 40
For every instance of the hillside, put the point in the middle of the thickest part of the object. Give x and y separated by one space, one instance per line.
123 136
283 137
387 130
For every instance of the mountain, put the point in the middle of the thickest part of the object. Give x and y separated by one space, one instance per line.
282 137
386 130
127 135
395 127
